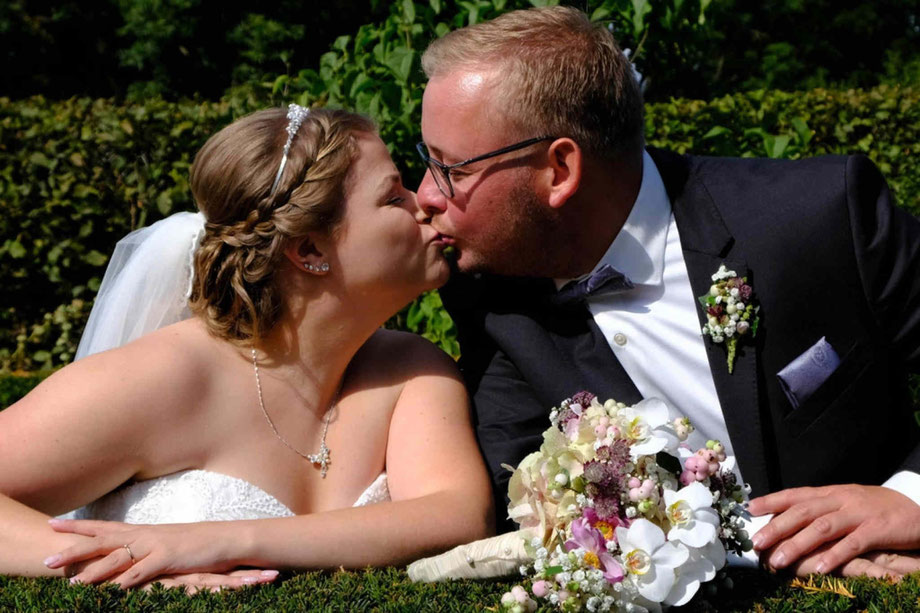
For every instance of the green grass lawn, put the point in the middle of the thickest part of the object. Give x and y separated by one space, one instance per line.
391 590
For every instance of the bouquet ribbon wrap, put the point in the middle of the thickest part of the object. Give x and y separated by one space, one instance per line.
497 556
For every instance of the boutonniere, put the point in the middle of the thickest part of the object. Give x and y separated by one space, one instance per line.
731 312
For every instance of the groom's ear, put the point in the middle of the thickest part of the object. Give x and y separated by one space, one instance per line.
303 251
564 168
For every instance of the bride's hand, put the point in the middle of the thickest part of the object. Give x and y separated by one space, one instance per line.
131 555
213 582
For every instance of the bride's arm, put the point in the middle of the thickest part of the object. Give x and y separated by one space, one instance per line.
440 498
78 435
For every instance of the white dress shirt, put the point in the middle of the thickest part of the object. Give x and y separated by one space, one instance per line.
654 330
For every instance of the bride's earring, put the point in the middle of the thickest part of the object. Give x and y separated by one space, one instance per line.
320 268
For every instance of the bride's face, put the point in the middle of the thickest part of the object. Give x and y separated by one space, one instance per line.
382 248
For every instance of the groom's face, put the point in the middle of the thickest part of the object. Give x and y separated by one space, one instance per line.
494 218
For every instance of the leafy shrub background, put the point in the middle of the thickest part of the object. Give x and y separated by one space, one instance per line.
77 175
687 48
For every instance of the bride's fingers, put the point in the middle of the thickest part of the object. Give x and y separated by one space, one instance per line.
105 568
195 582
861 567
87 527
903 563
95 547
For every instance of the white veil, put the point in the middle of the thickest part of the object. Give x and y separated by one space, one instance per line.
146 284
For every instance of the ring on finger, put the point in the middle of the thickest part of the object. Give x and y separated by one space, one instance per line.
128 549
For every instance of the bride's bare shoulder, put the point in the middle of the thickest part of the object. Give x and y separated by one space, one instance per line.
174 362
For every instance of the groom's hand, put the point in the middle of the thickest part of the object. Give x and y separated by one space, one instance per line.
839 523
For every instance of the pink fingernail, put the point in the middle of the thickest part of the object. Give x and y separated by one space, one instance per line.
269 574
757 540
51 560
248 580
821 568
779 560
74 580
55 520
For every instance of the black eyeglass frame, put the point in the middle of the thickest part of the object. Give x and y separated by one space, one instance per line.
444 169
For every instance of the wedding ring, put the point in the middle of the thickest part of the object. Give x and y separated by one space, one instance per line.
128 549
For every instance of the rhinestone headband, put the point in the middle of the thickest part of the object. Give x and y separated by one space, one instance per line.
296 114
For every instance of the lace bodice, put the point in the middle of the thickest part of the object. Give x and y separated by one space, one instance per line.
200 495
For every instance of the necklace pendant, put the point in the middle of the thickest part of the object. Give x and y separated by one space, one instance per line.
322 458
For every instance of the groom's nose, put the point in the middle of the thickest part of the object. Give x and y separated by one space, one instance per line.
431 201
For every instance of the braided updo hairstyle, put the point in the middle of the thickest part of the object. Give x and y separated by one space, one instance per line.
234 289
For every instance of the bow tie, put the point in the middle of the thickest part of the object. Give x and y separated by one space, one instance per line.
604 280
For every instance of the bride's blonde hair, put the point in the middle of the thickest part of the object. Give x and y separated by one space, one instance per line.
234 290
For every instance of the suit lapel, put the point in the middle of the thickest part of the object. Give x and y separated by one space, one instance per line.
571 344
706 244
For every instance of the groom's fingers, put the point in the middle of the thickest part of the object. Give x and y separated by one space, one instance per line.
813 527
790 521
777 502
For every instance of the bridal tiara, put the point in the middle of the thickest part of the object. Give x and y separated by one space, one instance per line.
296 114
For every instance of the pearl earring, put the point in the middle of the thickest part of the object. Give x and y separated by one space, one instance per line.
324 267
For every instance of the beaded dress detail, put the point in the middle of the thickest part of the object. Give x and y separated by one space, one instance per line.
200 495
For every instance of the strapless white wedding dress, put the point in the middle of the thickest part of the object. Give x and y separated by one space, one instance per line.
199 495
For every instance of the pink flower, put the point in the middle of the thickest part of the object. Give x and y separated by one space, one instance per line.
592 541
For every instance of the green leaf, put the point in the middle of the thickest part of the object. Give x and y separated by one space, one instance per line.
408 9
164 203
180 128
552 571
641 8
341 43
715 132
15 249
94 258
400 62
435 6
802 130
39 159
778 146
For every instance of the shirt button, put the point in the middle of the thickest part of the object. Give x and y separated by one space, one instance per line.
619 338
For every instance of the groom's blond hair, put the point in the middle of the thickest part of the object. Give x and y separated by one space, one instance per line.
560 75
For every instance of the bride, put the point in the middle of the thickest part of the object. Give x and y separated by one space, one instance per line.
279 398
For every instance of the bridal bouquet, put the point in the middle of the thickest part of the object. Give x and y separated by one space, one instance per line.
623 514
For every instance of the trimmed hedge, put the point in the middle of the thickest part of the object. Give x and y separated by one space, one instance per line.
389 589
77 175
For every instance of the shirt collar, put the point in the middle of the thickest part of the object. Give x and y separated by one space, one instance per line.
638 249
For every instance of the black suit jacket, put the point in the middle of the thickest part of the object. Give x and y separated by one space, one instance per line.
827 255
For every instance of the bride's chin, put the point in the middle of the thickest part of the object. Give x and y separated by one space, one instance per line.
440 273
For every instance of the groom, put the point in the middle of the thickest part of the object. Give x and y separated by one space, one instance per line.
538 175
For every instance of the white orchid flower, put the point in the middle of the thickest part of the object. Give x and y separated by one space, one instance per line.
699 568
693 520
647 425
649 559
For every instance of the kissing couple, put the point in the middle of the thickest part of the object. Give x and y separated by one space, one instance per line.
234 367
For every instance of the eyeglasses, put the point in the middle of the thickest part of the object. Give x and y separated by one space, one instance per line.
440 171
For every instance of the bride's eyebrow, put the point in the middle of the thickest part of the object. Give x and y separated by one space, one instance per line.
387 182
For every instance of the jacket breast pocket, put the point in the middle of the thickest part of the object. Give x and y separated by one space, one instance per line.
842 394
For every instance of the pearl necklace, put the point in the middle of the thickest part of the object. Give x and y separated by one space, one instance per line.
322 456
